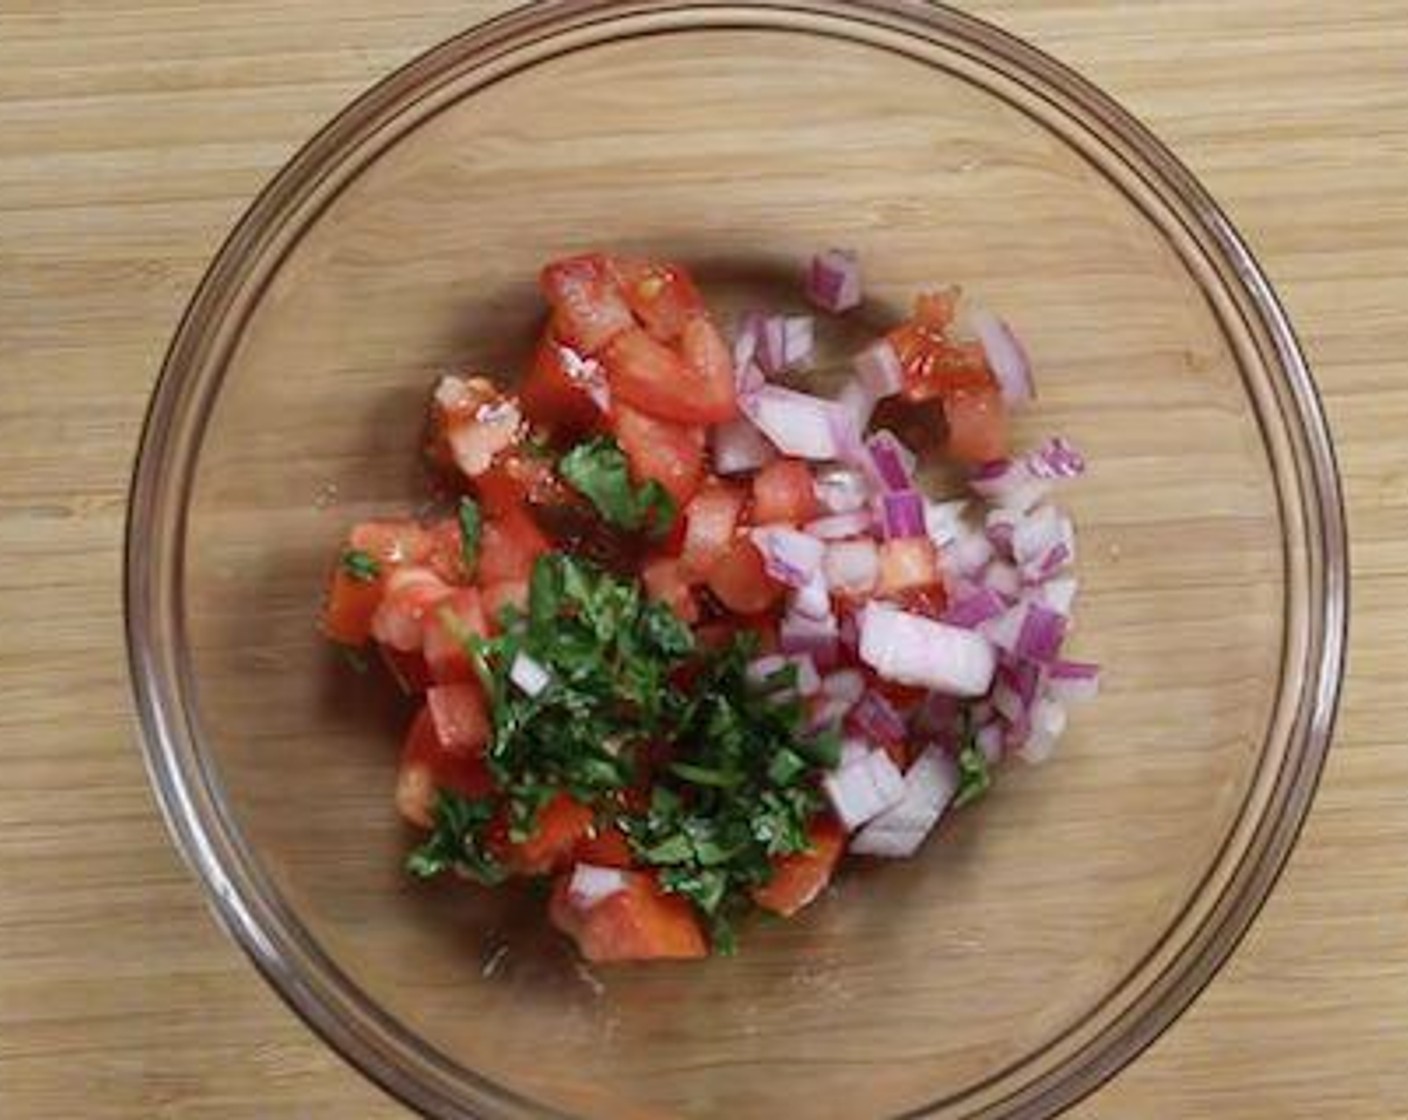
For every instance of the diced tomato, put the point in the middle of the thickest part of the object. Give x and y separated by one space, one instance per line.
977 425
446 557
517 478
588 307
671 454
798 879
427 764
408 668
496 596
663 296
604 846
740 581
508 547
930 600
933 363
907 563
562 824
392 543
350 606
460 715
461 614
646 374
400 618
937 309
552 398
665 582
641 922
784 491
710 524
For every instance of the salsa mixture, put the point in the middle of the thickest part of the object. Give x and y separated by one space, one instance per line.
683 635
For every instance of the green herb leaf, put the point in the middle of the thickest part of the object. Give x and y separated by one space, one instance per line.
471 531
456 842
599 470
974 778
359 565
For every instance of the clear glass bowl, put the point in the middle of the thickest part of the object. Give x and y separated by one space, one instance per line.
1041 940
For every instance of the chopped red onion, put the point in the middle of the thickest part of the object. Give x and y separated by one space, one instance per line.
1058 593
842 489
891 462
1037 534
816 637
1005 354
1072 681
902 515
1005 630
929 786
851 566
739 448
528 674
878 367
813 598
844 684
876 719
790 556
839 526
910 649
989 738
864 789
749 379
833 280
825 713
848 633
852 750
1003 578
943 521
797 423
745 342
1048 721
1056 458
1000 525
590 884
975 608
798 341
935 715
1008 703
1042 633
857 404
970 552
760 669
1048 563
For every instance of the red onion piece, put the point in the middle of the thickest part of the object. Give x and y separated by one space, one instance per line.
1006 356
844 684
851 566
935 715
590 884
1000 525
745 340
1059 594
863 789
841 489
896 833
975 608
813 598
739 448
943 521
798 341
833 280
816 637
825 713
790 556
891 463
749 379
838 526
1056 458
876 719
1003 578
989 737
1048 721
878 368
797 423
970 553
1042 633
910 649
1072 681
903 515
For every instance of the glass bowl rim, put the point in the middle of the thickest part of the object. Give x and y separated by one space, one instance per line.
187 789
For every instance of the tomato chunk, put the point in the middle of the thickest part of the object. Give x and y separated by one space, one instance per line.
666 582
711 521
460 715
740 581
933 363
516 478
671 454
562 824
508 547
399 621
554 393
456 618
977 425
350 605
639 923
471 421
662 296
392 543
589 309
911 562
427 764
646 374
784 491
506 593
798 879
604 846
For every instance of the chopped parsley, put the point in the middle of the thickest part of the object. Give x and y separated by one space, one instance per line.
973 775
471 530
456 843
360 565
598 469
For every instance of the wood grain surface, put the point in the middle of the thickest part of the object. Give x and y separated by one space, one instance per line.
132 134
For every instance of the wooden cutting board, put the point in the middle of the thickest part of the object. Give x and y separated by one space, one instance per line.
131 136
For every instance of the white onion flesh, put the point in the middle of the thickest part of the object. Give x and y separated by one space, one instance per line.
913 650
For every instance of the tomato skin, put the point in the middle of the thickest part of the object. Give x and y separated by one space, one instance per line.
496 596
711 361
671 454
666 581
427 764
351 603
589 309
552 399
929 600
562 824
407 668
349 607
508 548
518 478
977 425
662 296
798 879
710 523
739 580
392 543
784 492
604 846
461 613
641 922
934 364
646 374
460 715
399 621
